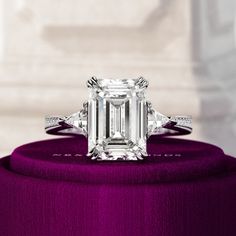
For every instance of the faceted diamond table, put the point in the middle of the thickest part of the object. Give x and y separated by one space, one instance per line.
184 188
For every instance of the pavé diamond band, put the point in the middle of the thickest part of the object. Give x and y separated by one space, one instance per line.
117 120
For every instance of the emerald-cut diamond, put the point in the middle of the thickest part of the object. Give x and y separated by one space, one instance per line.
117 119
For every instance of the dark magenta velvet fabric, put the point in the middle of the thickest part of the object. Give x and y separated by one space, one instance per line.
184 188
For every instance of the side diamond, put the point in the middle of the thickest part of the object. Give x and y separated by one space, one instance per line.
155 120
79 119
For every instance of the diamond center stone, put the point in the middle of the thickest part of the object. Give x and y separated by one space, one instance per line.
117 119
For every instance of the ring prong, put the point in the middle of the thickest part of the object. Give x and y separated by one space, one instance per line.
141 82
93 83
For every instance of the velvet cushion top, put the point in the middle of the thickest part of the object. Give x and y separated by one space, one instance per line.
169 160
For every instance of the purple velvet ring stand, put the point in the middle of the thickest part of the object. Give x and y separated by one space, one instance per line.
184 188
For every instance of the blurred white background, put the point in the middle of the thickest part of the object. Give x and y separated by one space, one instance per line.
185 48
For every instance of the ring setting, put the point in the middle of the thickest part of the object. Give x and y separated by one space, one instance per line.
117 120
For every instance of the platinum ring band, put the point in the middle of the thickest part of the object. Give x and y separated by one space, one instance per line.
177 125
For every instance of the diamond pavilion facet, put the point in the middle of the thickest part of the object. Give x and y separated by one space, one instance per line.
117 119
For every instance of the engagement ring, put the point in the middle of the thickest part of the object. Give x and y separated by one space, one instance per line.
117 120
